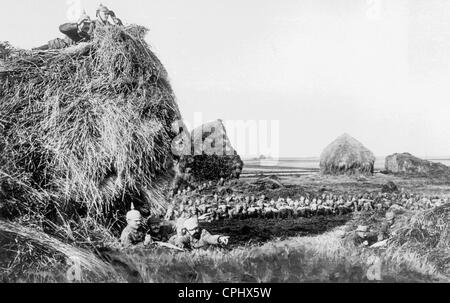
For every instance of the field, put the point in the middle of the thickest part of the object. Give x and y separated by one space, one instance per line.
304 166
316 249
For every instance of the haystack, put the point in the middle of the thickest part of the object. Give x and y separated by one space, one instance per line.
408 164
87 128
212 155
426 233
346 155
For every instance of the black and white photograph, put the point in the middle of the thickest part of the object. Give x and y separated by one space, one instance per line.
203 142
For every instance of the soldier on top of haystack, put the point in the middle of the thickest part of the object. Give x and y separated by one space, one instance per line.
103 15
83 29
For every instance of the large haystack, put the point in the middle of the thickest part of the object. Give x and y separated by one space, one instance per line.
86 128
408 164
346 155
212 156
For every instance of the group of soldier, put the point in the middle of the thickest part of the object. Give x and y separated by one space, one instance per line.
181 233
239 206
83 29
209 202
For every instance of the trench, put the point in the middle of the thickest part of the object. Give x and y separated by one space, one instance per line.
260 230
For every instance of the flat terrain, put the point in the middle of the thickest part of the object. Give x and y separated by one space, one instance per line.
316 249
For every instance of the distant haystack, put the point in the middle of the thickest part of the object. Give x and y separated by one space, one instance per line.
212 156
410 165
346 155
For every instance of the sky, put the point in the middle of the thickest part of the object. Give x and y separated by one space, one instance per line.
312 70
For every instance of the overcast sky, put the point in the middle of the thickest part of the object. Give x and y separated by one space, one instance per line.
378 70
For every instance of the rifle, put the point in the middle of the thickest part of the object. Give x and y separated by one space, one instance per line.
167 245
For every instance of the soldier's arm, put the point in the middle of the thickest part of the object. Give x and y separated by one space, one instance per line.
210 239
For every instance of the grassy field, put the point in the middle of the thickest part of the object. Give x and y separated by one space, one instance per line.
317 249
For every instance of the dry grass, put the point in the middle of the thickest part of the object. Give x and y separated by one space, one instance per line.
86 130
324 258
329 257
427 235
33 256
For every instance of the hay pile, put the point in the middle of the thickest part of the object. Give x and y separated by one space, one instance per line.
408 164
60 255
212 157
86 129
428 234
346 155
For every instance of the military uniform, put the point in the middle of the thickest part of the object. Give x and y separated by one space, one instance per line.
163 233
367 238
130 237
187 241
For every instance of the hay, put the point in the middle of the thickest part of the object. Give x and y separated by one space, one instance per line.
212 155
346 155
427 234
90 126
407 164
46 245
430 228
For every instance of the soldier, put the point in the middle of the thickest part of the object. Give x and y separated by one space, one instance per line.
320 208
192 237
252 212
160 230
313 207
115 20
75 32
133 233
367 206
386 225
363 237
103 15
